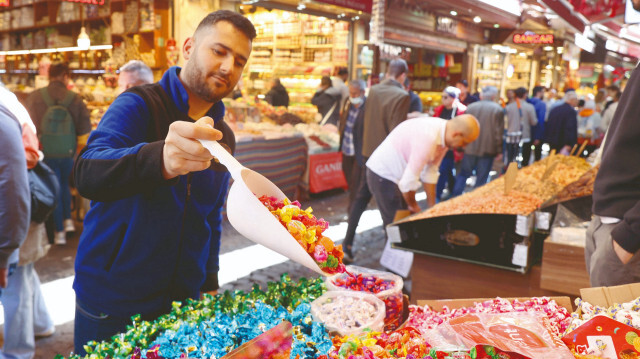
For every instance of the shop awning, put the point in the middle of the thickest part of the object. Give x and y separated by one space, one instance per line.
413 39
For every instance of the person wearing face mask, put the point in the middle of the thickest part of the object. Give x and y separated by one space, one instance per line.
411 155
152 235
353 163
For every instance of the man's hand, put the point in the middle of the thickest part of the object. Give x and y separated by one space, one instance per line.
182 152
623 255
212 293
410 200
414 208
4 277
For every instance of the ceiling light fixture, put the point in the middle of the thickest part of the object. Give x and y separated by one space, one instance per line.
453 13
477 19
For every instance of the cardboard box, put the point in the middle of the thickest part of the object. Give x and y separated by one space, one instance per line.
438 304
563 268
608 296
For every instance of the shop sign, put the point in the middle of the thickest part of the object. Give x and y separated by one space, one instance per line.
533 38
584 43
4 2
447 25
325 172
88 2
360 5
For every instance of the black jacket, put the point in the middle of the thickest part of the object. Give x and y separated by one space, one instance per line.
277 96
617 188
325 101
561 128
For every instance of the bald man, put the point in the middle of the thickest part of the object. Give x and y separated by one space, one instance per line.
411 155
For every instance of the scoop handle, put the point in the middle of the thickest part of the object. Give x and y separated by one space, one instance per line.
223 156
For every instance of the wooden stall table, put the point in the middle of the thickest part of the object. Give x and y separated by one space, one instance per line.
441 278
282 160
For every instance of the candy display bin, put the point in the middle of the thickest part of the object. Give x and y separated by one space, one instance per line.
346 312
392 298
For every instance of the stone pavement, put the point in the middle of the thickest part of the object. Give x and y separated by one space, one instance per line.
330 205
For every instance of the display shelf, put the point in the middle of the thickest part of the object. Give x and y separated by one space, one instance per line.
42 26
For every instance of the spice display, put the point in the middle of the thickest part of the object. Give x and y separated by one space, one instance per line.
347 312
307 231
386 286
527 194
580 188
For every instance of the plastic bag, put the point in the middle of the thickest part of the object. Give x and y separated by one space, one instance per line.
347 312
391 297
526 334
568 228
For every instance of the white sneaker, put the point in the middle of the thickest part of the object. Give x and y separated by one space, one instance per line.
69 226
47 333
60 238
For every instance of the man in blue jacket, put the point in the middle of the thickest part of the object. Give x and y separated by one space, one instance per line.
152 235
537 131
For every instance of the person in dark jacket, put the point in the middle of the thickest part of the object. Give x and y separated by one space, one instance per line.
613 238
327 100
416 103
152 235
537 131
353 163
561 129
465 97
278 95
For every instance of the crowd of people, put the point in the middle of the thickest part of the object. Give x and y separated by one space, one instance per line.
158 194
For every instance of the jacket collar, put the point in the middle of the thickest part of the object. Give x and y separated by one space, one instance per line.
392 82
173 86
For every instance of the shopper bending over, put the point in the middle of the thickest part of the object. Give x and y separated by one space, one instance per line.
152 235
412 154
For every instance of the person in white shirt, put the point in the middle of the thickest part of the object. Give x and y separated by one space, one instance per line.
411 154
340 82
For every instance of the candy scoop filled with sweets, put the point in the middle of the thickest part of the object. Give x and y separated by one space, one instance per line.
301 241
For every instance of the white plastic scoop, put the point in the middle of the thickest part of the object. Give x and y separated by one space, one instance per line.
250 217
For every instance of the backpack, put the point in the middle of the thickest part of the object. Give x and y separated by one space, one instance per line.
44 188
58 131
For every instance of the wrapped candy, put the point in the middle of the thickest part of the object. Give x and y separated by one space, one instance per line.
307 230
627 313
347 312
386 286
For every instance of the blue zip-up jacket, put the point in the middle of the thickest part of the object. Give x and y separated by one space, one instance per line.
146 240
537 131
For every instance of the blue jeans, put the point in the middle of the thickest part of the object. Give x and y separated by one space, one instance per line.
62 168
481 164
25 313
446 175
387 195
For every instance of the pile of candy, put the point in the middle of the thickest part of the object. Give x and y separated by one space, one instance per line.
626 313
346 312
403 343
386 286
285 295
215 337
425 318
307 231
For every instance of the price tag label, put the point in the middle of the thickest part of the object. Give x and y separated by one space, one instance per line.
543 220
520 255
523 226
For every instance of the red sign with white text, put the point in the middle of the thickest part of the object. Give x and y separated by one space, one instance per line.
360 5
529 38
325 172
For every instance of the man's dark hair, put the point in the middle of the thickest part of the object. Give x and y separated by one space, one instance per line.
464 82
537 90
343 71
325 81
238 21
617 95
397 67
521 92
58 69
